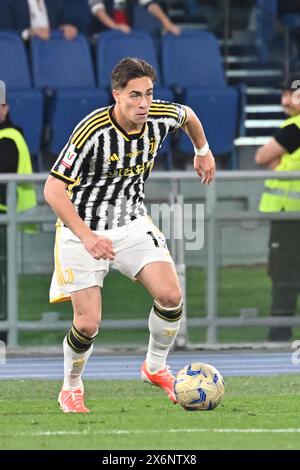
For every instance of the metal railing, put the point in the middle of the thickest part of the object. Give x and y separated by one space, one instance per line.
212 218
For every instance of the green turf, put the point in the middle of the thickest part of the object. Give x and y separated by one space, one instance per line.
132 415
239 288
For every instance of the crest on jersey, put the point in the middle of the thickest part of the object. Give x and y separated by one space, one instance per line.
69 156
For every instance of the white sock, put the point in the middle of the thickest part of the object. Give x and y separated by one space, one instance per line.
74 364
162 336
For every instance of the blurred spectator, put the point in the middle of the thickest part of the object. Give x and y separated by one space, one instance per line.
38 18
119 14
78 13
289 13
268 19
14 158
282 153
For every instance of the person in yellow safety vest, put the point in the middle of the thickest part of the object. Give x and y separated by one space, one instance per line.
282 153
14 158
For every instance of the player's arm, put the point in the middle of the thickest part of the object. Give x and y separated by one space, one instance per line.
203 164
55 193
270 154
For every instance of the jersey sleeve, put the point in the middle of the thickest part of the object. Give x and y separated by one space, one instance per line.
69 163
181 117
174 115
289 137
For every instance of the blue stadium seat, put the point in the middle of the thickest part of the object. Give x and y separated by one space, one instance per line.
26 109
61 64
70 108
66 68
78 13
14 69
217 110
112 46
192 65
192 59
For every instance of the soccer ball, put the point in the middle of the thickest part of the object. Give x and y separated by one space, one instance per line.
199 387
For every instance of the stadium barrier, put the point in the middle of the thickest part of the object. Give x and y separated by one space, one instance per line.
11 220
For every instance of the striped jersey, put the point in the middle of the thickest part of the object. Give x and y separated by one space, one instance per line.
106 168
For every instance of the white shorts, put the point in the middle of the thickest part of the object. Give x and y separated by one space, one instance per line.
135 245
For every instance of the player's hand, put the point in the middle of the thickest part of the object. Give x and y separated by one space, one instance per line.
99 247
205 167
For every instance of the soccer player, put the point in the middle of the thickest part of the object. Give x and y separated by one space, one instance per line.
96 187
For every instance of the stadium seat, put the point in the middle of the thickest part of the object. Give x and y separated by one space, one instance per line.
14 69
26 109
78 13
192 66
144 21
65 68
192 59
69 109
112 46
217 110
61 64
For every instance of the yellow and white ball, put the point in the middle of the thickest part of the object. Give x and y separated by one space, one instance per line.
199 387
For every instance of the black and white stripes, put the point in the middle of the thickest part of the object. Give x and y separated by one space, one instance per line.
108 167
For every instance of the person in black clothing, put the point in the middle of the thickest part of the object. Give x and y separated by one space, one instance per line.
282 153
8 149
14 158
8 164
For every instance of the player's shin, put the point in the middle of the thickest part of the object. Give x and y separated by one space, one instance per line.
77 350
163 326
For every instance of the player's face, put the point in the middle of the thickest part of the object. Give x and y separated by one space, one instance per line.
133 101
290 101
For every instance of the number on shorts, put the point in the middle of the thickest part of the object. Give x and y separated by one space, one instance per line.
154 239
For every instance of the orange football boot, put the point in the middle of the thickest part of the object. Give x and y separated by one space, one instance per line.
162 378
71 401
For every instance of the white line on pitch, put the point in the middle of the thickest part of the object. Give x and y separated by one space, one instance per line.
155 431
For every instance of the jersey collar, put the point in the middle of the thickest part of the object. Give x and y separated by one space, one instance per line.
120 130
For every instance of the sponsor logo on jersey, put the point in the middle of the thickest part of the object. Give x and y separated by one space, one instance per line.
113 158
132 170
69 157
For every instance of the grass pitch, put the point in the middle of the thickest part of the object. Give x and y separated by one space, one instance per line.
256 413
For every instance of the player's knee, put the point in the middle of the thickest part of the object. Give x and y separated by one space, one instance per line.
89 329
170 299
87 322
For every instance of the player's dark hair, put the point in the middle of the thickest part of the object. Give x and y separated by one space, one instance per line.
128 69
